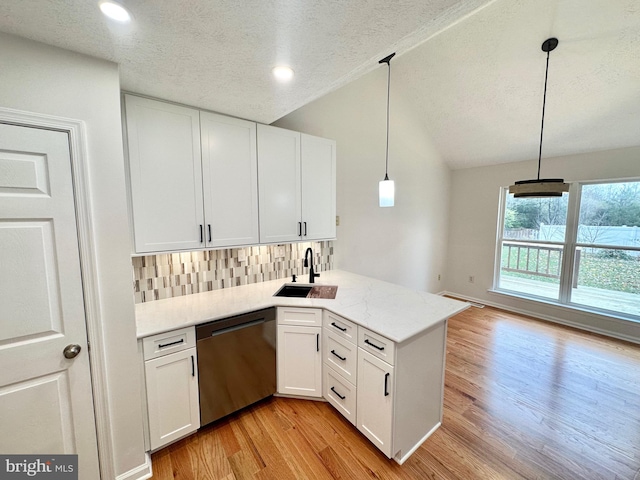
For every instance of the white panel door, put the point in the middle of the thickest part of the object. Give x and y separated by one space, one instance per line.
318 187
374 411
46 404
172 396
279 185
166 175
230 180
299 361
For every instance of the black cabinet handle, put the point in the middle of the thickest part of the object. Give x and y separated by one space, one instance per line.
201 234
193 367
305 229
386 378
317 342
172 343
333 324
366 340
299 229
209 227
341 358
342 397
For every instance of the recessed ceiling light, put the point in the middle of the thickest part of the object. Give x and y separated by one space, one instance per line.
115 11
283 73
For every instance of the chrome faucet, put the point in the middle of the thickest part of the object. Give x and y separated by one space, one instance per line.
312 274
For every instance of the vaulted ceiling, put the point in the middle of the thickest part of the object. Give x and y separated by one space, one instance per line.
473 70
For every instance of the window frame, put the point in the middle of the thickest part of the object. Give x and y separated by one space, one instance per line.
570 246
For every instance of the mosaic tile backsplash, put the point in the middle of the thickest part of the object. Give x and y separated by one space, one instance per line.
174 274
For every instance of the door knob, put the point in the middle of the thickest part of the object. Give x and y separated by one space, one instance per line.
71 351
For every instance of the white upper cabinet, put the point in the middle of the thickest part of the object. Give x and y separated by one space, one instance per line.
166 175
297 184
318 187
280 185
230 180
201 180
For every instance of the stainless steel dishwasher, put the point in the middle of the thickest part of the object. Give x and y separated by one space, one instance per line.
236 362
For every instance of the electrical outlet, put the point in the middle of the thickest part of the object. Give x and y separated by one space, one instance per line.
472 279
279 251
242 255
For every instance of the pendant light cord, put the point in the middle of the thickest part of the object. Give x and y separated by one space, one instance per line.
386 164
387 60
544 102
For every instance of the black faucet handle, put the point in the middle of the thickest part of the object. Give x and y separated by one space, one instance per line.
293 280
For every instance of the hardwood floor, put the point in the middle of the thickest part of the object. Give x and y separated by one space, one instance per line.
524 399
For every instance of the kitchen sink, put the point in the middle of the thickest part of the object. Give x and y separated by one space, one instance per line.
307 291
300 291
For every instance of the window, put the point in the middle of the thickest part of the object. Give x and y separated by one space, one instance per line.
581 249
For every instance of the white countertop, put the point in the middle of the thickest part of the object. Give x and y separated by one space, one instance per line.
395 312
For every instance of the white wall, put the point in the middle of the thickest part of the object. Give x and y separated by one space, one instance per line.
42 79
405 244
473 227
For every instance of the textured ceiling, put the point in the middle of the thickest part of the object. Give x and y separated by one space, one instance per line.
472 70
478 86
218 55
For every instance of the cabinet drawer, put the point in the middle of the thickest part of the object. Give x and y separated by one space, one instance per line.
340 393
303 317
341 355
341 326
168 342
377 345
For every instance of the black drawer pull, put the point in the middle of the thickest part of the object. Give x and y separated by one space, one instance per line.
333 324
201 234
341 358
317 342
172 343
342 397
193 367
366 340
386 378
305 229
299 229
209 228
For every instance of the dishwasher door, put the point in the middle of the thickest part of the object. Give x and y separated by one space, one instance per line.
236 363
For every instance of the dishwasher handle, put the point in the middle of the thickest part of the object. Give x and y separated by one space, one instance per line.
225 325
238 327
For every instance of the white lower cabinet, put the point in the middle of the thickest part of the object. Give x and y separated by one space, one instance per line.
171 382
375 401
299 361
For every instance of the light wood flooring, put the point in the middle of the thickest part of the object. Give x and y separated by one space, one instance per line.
523 399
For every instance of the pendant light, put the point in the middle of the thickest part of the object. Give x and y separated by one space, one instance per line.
386 188
546 187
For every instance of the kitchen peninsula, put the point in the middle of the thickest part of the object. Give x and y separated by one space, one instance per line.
380 348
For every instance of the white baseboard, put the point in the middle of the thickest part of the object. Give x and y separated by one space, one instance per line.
140 472
549 318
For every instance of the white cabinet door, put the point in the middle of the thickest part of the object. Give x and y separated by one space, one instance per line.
172 396
374 410
230 180
318 156
299 361
279 184
166 176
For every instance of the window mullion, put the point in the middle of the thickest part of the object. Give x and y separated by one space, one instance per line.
570 239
